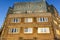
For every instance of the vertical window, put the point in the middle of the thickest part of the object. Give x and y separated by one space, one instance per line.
43 30
28 20
28 30
42 19
16 20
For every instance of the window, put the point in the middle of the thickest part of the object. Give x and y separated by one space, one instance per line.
57 32
16 20
43 30
59 25
17 12
28 20
55 22
28 30
46 19
42 19
29 11
14 30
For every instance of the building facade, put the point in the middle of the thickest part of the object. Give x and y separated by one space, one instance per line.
31 21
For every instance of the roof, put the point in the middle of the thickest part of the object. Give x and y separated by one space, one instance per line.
30 6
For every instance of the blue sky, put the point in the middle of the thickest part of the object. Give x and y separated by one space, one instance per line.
5 4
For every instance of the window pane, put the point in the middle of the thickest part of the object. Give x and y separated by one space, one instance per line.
15 30
41 19
12 30
46 19
30 30
26 30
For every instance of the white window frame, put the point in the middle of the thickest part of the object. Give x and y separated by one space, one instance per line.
42 19
16 20
29 30
28 19
43 30
15 30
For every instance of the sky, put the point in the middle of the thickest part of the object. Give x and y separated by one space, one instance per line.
5 4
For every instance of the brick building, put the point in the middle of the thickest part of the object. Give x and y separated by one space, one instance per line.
31 21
